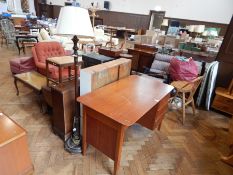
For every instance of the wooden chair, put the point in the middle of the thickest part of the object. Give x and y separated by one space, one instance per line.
186 90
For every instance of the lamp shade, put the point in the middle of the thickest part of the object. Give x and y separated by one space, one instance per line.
199 28
74 21
165 22
191 28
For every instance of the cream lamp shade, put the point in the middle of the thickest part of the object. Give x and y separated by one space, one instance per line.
199 28
205 33
191 28
213 33
165 22
74 21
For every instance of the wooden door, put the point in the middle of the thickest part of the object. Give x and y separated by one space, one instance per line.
225 58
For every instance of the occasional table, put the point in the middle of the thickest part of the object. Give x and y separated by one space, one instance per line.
32 79
61 62
14 154
110 110
32 39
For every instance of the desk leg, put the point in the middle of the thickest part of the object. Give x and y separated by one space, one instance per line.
16 86
119 143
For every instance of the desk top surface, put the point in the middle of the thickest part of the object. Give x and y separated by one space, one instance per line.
9 130
128 99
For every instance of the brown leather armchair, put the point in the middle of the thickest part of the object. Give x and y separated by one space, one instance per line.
44 50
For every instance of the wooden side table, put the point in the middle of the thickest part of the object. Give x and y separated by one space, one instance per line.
33 80
61 62
14 154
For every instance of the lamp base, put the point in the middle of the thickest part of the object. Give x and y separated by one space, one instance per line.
72 147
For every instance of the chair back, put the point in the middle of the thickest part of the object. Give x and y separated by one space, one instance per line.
195 84
44 50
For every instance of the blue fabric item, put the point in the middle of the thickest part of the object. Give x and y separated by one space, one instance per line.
182 58
6 15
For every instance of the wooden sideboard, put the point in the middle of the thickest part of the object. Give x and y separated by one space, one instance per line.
145 54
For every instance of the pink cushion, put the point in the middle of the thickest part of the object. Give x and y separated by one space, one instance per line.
22 64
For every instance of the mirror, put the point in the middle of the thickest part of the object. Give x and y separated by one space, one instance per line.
156 19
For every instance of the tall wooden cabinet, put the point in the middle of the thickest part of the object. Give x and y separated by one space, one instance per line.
225 58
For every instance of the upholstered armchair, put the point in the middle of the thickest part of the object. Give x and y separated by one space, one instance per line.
44 50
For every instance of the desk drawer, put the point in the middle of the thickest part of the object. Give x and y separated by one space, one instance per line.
223 104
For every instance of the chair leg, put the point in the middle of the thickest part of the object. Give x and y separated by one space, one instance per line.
183 107
193 107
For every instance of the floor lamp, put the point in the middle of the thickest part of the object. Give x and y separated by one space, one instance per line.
75 21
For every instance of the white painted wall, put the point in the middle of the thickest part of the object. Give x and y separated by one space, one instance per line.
204 10
3 7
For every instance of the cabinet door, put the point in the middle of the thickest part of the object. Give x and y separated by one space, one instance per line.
225 58
226 51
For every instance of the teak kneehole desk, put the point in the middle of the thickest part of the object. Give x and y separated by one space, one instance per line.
110 110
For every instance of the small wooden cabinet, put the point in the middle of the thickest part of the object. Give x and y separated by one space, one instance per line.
14 154
145 55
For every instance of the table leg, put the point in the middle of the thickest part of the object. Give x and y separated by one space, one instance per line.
69 72
119 143
17 44
16 86
40 101
60 75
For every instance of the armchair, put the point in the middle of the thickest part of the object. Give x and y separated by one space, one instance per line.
44 50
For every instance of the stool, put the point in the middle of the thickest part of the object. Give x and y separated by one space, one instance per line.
22 64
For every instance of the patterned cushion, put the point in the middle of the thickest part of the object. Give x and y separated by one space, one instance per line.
163 57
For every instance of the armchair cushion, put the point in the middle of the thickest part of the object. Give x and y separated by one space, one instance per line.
48 49
44 50
44 34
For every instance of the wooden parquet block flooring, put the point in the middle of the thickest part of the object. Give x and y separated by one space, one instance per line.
192 149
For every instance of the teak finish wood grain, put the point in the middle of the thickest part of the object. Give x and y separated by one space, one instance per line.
14 153
110 110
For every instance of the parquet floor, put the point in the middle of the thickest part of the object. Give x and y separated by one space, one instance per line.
192 149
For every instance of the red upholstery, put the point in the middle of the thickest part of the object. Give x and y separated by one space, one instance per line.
44 50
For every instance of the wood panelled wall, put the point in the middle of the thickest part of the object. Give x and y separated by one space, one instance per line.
130 20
